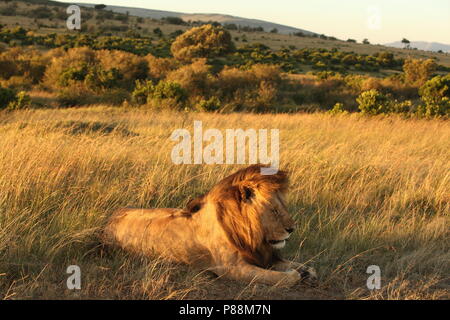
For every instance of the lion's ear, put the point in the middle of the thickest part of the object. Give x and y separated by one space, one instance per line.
246 192
194 205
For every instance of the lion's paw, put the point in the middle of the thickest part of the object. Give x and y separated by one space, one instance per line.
292 278
308 275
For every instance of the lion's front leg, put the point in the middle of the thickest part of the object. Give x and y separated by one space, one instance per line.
307 274
250 273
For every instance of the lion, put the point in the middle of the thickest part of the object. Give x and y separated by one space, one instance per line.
235 230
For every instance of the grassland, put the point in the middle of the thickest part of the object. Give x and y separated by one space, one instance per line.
364 190
146 26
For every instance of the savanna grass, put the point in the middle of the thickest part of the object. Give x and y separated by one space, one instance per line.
364 190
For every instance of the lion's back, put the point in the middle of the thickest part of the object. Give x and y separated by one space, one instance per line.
167 232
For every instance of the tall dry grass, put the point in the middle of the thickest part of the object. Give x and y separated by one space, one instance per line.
365 191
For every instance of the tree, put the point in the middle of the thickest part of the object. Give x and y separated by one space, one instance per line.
174 20
366 41
99 6
274 30
418 71
231 26
158 32
406 42
202 42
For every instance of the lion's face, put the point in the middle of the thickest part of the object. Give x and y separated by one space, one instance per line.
277 222
252 212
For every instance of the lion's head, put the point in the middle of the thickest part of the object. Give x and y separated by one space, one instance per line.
251 209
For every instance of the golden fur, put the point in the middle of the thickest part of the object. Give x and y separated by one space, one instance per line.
234 230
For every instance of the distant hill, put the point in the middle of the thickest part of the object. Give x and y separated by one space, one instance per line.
222 18
422 45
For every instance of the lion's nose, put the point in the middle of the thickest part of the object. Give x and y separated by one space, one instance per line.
290 230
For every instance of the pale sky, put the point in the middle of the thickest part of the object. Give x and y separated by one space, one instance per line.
380 21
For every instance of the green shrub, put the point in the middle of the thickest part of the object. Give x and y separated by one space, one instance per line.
165 94
99 78
211 104
94 77
373 102
71 74
7 96
338 108
169 90
401 106
21 101
12 101
435 93
141 92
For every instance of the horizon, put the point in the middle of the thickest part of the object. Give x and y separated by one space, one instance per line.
378 20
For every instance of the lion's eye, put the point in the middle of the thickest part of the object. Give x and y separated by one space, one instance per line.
275 211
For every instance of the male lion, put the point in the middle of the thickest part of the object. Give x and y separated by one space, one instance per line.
234 230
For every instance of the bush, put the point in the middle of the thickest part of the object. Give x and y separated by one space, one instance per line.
373 102
25 62
11 101
435 93
174 20
114 96
21 101
71 74
211 104
166 94
231 80
338 109
418 71
202 42
268 73
194 78
92 77
401 106
266 96
99 78
169 90
17 83
70 98
66 66
254 89
141 92
7 96
95 70
41 13
158 68
130 66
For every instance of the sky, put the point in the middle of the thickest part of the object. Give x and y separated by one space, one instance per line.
380 21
